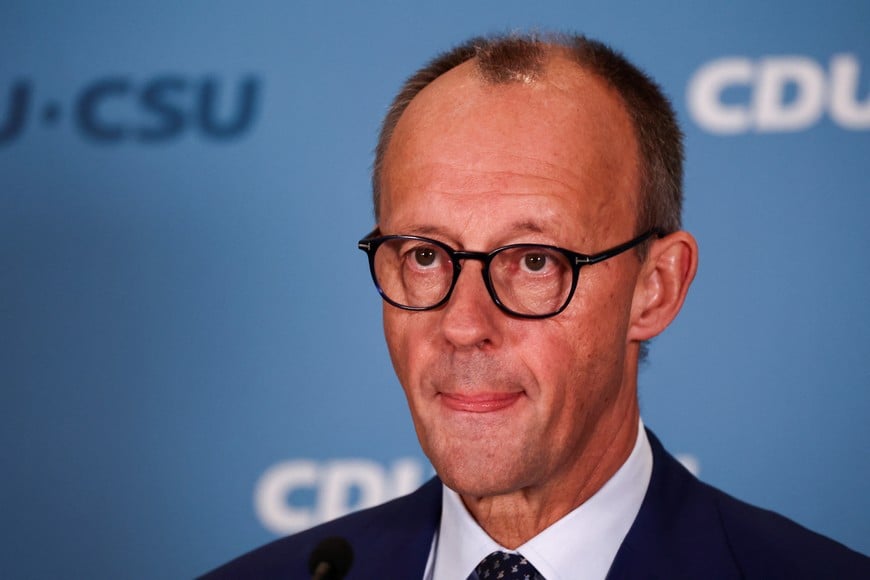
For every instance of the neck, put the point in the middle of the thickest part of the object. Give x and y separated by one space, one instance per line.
513 519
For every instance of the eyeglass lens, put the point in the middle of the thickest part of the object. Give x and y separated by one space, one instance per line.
526 279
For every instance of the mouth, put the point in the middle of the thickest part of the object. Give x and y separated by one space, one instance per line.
480 402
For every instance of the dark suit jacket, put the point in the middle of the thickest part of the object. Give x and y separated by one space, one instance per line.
685 530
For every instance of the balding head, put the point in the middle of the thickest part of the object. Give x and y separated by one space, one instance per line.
523 59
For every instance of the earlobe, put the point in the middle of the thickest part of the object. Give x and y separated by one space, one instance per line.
662 285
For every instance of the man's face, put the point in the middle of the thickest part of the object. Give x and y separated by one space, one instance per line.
502 404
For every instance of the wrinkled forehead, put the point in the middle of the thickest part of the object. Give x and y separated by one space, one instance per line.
561 123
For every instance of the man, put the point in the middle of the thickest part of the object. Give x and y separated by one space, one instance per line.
527 196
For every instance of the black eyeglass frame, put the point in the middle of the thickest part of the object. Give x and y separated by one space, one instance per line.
371 242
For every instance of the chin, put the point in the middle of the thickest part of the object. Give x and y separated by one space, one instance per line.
479 489
478 479
481 463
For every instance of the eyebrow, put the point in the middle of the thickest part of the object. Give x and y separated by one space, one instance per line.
521 227
528 227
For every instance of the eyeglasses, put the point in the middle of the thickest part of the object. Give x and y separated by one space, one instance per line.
524 280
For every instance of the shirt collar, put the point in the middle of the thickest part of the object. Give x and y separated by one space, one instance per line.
580 546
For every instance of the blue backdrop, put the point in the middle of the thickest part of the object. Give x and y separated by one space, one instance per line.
191 355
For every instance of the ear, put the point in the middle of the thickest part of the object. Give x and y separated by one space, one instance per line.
661 288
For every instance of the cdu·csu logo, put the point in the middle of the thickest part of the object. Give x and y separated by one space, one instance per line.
294 495
735 95
117 109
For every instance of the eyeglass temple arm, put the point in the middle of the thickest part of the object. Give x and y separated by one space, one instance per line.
365 243
606 254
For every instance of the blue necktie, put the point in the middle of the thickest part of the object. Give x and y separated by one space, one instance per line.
505 566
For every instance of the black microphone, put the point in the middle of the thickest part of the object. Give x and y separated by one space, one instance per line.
331 559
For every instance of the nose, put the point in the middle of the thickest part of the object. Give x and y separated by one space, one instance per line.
470 318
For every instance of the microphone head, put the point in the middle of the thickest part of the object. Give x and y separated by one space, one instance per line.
336 554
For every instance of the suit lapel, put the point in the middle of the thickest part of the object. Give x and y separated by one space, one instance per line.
399 547
677 532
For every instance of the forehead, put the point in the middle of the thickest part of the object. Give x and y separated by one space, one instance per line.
562 142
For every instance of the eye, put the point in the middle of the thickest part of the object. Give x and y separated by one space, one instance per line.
534 262
420 256
425 257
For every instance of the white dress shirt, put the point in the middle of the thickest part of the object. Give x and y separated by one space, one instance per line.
580 546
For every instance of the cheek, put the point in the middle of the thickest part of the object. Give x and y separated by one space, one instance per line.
405 339
602 309
395 339
574 360
554 353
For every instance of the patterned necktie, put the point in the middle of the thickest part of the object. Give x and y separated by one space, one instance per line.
504 566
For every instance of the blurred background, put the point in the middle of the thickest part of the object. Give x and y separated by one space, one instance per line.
191 356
